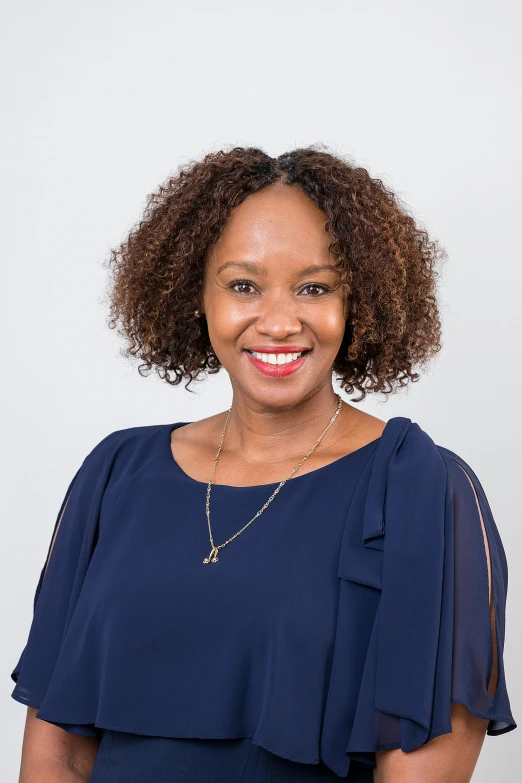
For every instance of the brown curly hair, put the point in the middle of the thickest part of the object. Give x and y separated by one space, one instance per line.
388 262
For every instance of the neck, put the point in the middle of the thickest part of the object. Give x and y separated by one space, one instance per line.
260 433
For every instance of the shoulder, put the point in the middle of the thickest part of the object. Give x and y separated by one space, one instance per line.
415 437
420 448
117 456
127 440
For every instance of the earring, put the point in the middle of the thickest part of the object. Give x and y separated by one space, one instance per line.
197 313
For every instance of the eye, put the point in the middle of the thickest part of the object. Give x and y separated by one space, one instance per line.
243 283
324 288
237 285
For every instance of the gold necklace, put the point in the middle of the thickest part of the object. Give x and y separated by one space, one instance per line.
213 556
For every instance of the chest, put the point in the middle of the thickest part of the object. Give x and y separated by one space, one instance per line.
277 578
196 461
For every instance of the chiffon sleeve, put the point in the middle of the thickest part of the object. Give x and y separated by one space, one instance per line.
434 636
422 553
480 596
62 577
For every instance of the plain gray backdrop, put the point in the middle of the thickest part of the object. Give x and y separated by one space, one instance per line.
103 100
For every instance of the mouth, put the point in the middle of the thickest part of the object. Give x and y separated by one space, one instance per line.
278 359
278 365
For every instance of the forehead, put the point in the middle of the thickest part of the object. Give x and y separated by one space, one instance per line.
280 219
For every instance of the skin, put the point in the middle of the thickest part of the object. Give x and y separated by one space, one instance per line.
278 233
52 755
274 422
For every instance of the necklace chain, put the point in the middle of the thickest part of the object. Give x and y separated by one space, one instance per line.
213 556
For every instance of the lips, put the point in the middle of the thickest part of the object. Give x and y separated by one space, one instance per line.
278 370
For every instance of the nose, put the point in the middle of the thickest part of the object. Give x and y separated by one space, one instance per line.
278 317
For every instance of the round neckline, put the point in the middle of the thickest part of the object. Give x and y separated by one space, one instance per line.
171 427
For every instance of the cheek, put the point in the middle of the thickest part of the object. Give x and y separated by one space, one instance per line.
330 324
225 320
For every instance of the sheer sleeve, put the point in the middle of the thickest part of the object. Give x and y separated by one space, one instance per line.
62 577
481 581
424 582
21 693
435 639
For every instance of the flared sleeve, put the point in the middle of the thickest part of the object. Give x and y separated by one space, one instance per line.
62 577
423 595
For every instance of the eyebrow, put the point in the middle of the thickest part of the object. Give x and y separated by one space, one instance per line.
259 269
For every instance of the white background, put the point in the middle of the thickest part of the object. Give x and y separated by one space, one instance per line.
102 100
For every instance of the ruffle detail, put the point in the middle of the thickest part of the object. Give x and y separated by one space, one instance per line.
413 550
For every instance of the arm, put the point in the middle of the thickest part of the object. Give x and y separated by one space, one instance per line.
449 758
52 755
52 752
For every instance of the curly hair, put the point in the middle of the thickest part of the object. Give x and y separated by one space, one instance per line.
388 262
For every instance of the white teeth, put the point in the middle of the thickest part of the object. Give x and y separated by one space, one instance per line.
276 358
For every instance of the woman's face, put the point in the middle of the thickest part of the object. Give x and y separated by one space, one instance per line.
271 287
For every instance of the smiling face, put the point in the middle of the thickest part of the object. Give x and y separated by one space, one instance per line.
271 286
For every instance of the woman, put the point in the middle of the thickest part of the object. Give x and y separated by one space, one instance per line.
293 589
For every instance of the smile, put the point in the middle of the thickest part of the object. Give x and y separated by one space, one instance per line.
277 358
277 364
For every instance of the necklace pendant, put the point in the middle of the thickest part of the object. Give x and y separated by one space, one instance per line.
213 556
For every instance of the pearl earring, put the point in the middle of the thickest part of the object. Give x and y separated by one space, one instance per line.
197 313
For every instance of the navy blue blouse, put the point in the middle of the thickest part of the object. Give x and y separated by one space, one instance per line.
343 621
